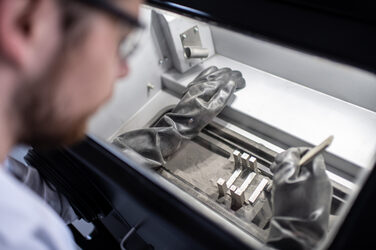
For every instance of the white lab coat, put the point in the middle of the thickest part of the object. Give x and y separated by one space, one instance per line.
26 220
31 178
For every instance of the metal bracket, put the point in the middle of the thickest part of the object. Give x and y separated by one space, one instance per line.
192 45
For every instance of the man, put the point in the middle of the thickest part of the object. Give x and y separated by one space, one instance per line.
49 50
58 62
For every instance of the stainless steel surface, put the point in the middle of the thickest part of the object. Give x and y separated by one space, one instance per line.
260 187
344 82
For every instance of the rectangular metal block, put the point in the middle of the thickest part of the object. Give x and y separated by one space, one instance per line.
244 159
246 182
233 189
233 177
238 198
222 188
253 163
239 195
236 155
260 187
224 185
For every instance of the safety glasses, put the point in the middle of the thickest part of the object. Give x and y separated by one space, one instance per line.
130 43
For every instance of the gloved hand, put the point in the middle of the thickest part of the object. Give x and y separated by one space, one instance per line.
204 99
300 201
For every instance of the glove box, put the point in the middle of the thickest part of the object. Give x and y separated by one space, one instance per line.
217 152
292 98
178 206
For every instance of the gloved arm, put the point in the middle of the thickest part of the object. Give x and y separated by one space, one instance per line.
300 201
204 99
31 178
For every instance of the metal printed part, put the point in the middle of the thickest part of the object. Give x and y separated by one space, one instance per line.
233 177
223 185
222 188
253 164
260 187
239 195
233 189
236 155
245 162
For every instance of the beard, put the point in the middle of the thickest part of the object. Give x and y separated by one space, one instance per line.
40 124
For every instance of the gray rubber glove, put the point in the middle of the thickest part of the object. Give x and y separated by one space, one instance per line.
300 202
205 98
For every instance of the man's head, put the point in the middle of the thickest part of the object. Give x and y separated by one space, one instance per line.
59 59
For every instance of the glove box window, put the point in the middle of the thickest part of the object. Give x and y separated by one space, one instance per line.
200 164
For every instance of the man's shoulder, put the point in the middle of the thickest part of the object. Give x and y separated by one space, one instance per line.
27 221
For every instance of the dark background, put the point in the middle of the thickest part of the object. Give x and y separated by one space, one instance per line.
339 30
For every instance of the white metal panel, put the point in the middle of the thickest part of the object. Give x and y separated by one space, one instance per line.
344 82
296 110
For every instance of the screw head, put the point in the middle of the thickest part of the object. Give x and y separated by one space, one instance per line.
150 86
184 36
195 29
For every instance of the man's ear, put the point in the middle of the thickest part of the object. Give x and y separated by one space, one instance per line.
26 29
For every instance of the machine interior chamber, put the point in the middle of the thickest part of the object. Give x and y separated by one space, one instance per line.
200 163
291 99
